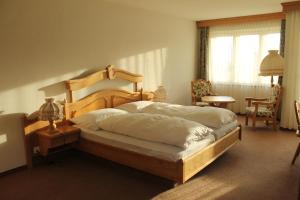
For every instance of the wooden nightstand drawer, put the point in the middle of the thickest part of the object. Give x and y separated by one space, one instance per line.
64 135
56 142
70 138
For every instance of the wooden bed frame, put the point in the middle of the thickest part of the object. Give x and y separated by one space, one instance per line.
177 171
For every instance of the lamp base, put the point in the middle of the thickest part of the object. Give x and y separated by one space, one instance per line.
272 84
52 127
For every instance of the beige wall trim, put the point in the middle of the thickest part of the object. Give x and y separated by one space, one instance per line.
289 6
240 20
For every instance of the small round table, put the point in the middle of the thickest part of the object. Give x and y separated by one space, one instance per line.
219 101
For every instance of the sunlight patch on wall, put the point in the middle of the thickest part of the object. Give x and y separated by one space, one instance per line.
3 138
28 98
151 64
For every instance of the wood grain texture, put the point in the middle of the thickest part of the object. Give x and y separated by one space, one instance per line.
103 99
200 160
64 135
290 6
167 169
110 73
30 138
79 83
177 171
241 20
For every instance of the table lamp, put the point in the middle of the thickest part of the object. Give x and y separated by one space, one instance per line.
50 111
160 95
272 65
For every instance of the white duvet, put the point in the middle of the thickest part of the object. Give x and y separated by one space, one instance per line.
157 128
209 116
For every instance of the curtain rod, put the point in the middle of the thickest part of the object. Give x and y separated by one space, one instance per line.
240 20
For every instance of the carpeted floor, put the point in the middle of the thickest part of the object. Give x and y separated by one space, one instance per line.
256 168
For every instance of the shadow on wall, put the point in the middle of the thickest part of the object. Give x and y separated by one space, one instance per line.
60 38
44 43
152 63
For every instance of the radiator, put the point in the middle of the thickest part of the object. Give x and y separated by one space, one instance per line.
12 151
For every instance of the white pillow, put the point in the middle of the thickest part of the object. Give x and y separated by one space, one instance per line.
89 120
134 107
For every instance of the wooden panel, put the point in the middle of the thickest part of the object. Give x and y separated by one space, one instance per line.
179 171
70 138
119 100
35 125
91 102
109 73
197 162
102 99
76 84
290 6
124 75
147 96
163 168
241 20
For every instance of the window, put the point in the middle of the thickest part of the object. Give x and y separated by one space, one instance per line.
236 51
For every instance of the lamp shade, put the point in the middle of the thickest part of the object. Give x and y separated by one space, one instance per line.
49 110
272 64
160 95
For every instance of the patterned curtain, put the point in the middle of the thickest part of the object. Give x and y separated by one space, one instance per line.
282 42
203 52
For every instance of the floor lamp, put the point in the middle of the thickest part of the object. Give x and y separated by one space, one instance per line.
272 65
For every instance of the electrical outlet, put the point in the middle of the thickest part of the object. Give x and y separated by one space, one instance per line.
36 150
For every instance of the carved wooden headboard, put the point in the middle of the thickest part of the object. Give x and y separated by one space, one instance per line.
107 98
100 99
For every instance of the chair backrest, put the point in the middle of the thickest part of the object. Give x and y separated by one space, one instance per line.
297 112
200 88
276 96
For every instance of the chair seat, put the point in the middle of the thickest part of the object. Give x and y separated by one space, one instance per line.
262 111
199 103
267 110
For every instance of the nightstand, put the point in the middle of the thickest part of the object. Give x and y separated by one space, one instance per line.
65 135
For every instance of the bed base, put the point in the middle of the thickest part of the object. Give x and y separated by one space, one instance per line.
179 171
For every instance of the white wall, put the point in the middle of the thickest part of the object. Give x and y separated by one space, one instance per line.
46 42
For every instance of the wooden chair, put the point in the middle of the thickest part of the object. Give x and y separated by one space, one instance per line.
264 108
297 112
200 88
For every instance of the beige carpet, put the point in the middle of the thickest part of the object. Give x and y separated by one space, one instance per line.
256 168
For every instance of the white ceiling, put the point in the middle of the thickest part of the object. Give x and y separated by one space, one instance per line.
206 9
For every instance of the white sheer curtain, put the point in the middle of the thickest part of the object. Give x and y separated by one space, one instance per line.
291 76
235 53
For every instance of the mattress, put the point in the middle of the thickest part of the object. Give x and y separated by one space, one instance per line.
154 149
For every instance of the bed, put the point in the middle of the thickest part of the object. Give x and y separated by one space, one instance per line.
177 170
155 158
